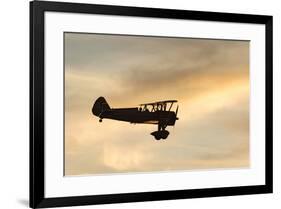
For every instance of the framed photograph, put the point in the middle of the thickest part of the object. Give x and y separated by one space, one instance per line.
133 104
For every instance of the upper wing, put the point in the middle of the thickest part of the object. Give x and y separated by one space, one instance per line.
160 102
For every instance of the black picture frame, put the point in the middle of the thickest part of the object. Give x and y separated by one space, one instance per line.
37 168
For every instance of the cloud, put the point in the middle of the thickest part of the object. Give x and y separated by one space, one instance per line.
209 78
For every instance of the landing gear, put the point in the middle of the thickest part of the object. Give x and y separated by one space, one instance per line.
100 120
163 134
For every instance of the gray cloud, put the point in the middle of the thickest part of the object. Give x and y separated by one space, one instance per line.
208 77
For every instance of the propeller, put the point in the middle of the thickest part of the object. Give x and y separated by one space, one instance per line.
177 112
176 116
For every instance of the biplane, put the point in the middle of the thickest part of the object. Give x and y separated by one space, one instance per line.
157 113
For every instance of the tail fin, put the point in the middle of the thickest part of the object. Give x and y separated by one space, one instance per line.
100 106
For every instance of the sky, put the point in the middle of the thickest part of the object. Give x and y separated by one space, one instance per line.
209 78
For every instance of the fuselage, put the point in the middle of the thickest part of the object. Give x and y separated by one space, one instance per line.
135 115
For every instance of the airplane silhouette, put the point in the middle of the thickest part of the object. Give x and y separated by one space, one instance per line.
158 113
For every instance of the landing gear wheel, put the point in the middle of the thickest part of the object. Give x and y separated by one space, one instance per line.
100 120
160 134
